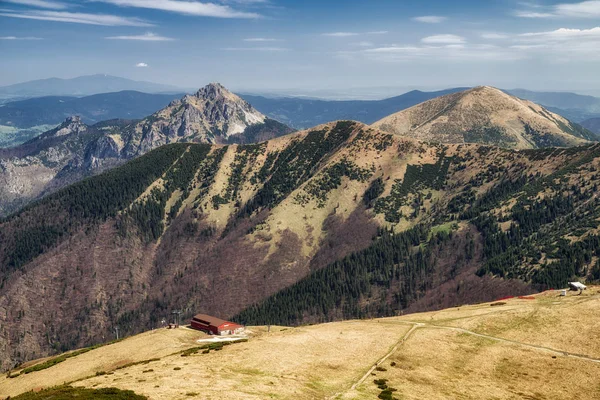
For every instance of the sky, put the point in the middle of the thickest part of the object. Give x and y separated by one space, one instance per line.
343 47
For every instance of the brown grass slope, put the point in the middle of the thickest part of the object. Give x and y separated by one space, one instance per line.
250 221
541 348
485 115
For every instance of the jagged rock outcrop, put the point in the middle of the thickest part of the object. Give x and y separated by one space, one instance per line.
71 125
212 115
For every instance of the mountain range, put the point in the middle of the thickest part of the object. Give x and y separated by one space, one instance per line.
81 86
574 106
592 124
75 150
91 109
22 120
303 113
343 220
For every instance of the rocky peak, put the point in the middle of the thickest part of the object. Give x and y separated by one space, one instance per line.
211 111
72 124
212 90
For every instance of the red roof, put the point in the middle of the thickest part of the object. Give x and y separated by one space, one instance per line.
217 322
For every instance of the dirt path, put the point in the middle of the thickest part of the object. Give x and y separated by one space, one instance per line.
509 341
424 325
404 339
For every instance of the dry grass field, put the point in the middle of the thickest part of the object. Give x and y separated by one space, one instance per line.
148 345
547 347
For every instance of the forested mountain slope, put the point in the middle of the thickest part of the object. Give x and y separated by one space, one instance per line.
220 228
486 115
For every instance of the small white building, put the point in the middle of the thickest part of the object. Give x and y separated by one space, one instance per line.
577 286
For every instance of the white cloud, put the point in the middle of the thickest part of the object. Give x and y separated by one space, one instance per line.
492 35
584 9
54 5
430 19
194 8
260 39
448 52
394 49
533 14
563 34
261 49
148 36
141 65
455 46
77 18
528 46
572 44
443 39
550 46
340 34
20 38
349 34
246 2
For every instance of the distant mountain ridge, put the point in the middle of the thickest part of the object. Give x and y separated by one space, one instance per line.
575 107
302 113
563 100
82 86
593 124
485 115
127 104
299 113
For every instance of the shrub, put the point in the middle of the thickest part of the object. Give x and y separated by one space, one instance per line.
387 394
69 392
138 363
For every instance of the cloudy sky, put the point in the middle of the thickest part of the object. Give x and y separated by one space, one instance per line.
323 46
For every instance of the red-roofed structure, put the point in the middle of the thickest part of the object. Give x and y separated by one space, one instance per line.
215 326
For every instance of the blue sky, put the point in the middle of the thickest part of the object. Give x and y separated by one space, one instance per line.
307 46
